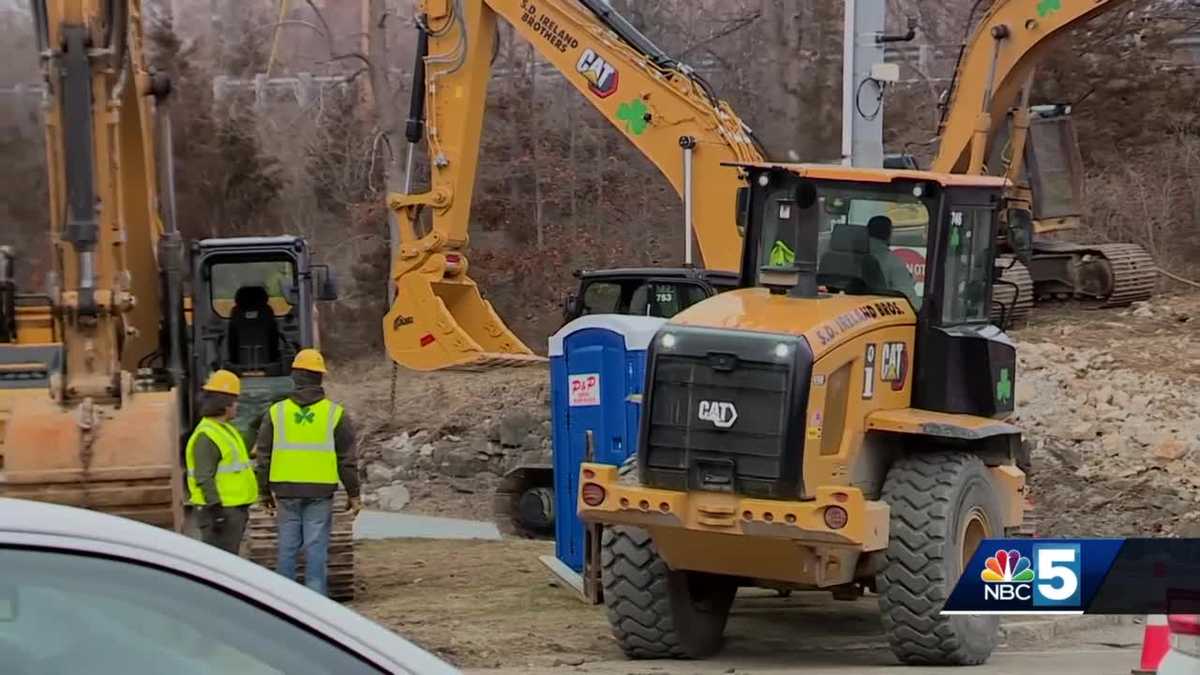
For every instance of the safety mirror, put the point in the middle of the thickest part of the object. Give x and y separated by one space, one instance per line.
325 282
571 305
743 210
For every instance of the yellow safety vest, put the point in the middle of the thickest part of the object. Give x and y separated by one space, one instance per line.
236 484
303 449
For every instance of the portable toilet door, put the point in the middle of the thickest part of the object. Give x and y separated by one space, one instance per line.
597 371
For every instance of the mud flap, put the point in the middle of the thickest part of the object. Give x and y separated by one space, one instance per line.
440 320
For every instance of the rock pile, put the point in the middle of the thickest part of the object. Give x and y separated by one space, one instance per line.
1116 450
474 455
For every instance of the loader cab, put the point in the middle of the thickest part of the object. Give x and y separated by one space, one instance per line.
810 235
253 307
650 291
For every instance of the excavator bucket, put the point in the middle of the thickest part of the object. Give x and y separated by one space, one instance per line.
439 320
121 461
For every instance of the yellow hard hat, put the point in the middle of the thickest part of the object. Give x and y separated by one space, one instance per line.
309 359
224 382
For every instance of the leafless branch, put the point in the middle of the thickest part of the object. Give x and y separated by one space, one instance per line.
328 33
734 26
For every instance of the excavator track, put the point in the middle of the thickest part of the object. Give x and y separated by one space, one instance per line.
1101 275
261 546
1134 273
1003 309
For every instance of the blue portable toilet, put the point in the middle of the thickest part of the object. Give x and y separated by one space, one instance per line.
597 372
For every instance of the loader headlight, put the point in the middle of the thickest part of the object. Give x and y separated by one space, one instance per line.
668 341
764 180
782 351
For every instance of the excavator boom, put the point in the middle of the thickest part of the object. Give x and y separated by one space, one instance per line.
438 318
987 128
996 67
101 438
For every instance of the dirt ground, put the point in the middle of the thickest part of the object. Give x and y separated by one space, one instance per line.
491 604
480 603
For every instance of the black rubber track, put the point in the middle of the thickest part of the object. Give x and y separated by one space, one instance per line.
926 492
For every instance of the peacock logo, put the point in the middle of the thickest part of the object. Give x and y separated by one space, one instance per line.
1007 567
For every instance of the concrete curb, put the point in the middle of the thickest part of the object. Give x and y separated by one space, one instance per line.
1037 631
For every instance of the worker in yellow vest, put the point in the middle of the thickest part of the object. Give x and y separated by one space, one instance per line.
305 446
220 479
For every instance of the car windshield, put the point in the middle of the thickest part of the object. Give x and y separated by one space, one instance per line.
870 240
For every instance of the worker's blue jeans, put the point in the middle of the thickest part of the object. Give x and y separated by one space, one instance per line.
304 525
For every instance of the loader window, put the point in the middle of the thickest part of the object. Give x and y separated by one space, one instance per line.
665 299
276 277
871 239
602 298
968 267
640 297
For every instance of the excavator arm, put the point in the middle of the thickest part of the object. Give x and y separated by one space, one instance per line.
994 74
102 438
987 128
438 318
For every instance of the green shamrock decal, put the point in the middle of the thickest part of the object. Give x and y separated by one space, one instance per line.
305 417
1004 387
1047 7
634 114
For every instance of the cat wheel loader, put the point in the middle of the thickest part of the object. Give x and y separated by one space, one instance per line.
100 376
818 431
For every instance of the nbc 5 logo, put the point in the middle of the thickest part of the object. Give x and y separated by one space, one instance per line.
1058 575
1050 579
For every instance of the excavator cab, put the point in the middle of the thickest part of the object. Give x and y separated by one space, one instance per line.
253 307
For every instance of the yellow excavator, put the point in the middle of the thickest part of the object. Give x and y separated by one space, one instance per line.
988 127
438 318
99 376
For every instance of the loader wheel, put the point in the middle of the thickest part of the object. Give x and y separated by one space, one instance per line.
656 612
942 506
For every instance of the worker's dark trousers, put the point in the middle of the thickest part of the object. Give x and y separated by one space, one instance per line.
229 536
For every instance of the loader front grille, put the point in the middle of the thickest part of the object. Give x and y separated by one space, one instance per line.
724 412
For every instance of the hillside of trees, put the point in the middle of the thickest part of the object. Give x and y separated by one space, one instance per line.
558 187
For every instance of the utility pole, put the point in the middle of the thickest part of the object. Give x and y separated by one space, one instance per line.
862 94
865 78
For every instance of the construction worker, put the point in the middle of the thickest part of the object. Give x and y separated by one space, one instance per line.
220 478
305 446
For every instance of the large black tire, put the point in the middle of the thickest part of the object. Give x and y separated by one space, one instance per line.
942 505
656 612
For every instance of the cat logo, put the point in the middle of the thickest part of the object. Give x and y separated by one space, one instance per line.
895 364
721 413
601 76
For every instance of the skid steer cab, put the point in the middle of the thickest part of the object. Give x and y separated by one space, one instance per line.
253 306
839 427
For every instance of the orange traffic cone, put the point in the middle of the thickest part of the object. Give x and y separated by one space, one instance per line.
1156 641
